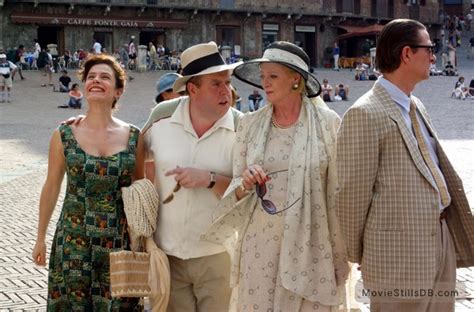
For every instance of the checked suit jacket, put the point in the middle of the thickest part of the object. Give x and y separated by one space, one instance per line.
388 203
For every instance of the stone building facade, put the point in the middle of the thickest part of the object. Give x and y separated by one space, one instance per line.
245 26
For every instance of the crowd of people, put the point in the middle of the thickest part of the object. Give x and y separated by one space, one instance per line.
257 210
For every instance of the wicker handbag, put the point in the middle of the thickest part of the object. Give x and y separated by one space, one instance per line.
129 272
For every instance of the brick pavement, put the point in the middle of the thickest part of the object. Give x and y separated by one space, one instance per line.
27 123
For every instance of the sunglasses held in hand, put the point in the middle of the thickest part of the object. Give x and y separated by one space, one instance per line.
170 197
268 205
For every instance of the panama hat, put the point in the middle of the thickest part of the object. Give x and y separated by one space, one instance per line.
286 54
201 59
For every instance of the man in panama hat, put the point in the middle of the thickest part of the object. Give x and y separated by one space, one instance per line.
192 152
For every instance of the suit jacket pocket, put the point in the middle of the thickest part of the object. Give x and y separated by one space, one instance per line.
395 258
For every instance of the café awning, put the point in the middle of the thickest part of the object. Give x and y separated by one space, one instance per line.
96 21
358 31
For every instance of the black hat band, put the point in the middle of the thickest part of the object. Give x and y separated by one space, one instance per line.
200 64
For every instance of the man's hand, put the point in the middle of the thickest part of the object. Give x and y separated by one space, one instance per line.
190 177
73 120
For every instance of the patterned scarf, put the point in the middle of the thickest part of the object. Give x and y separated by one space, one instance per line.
312 250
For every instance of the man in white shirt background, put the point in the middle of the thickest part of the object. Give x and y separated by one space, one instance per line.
97 47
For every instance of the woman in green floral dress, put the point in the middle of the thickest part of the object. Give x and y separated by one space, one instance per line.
98 154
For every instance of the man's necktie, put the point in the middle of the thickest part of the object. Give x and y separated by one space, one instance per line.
426 156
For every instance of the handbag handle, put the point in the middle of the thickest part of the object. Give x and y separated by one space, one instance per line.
141 240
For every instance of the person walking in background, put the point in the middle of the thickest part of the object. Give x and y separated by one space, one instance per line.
100 155
7 70
192 154
402 208
373 53
471 41
45 65
277 217
335 55
19 55
36 47
132 53
444 54
153 56
97 47
452 53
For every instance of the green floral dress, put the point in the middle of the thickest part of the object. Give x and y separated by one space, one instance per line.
89 228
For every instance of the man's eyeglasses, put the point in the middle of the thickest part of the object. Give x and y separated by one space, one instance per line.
170 197
431 48
268 205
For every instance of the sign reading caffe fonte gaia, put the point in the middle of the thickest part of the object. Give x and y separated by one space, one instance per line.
102 22
97 21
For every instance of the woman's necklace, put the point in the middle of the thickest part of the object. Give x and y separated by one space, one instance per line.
277 125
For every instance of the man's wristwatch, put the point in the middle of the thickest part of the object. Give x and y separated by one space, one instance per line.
212 175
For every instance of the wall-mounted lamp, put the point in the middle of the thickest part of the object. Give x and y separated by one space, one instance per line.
70 9
107 10
142 9
170 10
264 15
289 16
299 16
195 12
248 14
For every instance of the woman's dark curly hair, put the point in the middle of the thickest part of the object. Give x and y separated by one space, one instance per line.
95 59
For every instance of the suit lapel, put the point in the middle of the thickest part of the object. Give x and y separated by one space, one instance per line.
394 112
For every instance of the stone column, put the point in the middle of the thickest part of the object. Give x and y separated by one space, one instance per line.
1 24
141 58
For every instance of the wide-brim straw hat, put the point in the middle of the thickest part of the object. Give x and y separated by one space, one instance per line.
201 59
286 54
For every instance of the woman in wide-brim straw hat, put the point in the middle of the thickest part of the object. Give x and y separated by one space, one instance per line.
277 216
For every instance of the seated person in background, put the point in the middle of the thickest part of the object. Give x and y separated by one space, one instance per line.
460 90
75 97
326 90
434 71
255 100
361 71
342 92
449 69
64 81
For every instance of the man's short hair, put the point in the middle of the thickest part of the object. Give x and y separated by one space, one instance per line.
396 35
196 80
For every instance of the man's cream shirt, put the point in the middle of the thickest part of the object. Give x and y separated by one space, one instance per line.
173 142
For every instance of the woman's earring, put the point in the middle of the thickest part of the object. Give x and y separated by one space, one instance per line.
295 86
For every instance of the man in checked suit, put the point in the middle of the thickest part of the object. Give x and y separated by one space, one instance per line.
402 207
